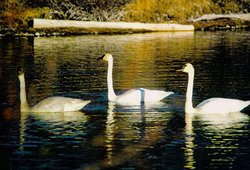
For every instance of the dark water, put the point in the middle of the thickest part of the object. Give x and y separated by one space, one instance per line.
108 136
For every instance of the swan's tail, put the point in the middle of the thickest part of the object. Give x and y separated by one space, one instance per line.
85 102
247 103
169 93
76 105
155 95
81 104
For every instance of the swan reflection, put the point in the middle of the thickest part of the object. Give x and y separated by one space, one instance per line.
23 119
189 142
222 121
119 118
223 133
221 130
56 125
61 117
132 128
110 132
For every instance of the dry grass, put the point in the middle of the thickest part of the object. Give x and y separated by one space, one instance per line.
18 18
174 10
16 13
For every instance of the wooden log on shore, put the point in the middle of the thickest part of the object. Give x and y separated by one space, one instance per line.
245 17
212 22
147 27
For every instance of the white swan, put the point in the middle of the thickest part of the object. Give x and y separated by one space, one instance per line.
51 104
212 105
133 96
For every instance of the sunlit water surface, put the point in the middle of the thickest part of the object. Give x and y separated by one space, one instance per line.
108 136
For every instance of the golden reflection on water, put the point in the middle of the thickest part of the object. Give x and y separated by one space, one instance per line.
135 59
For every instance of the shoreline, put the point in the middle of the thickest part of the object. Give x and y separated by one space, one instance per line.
214 22
46 28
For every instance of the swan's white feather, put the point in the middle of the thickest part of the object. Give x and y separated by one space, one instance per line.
221 105
59 104
139 95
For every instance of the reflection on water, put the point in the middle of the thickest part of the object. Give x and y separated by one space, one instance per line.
110 133
56 124
104 135
225 139
189 143
221 133
46 134
137 125
23 119
223 121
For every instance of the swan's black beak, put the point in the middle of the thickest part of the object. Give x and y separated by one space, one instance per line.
20 71
180 70
100 58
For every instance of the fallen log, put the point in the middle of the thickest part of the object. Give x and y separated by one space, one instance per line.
147 27
245 17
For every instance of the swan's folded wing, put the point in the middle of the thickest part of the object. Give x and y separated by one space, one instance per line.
132 96
51 104
136 96
59 104
221 105
155 95
75 104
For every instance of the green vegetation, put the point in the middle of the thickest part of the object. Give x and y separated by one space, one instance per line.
17 13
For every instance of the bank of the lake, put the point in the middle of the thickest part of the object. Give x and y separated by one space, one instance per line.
213 22
47 27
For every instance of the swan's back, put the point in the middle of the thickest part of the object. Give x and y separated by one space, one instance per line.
221 105
136 96
59 104
155 95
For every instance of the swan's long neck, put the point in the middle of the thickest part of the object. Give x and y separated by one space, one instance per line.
23 100
189 94
111 93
